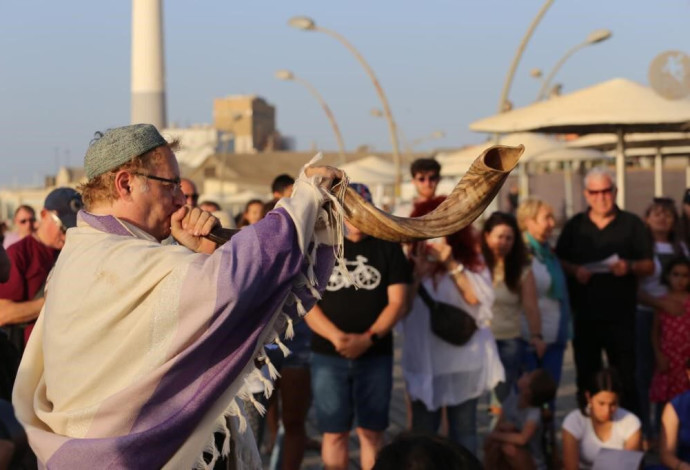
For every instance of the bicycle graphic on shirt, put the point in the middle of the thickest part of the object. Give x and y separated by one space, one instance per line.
366 276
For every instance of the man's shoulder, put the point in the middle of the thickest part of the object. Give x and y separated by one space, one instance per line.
23 248
629 217
577 219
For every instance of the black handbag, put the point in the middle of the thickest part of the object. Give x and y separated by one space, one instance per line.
449 323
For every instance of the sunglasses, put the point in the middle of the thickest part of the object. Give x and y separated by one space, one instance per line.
603 192
58 222
24 221
423 179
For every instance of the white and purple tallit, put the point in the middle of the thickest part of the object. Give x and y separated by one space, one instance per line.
142 350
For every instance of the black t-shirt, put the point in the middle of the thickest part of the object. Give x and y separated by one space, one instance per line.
377 264
605 297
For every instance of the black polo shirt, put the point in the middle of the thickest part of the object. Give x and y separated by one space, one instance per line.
605 297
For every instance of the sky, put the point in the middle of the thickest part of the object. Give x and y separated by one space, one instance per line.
65 66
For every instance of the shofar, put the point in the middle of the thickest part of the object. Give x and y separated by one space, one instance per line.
471 196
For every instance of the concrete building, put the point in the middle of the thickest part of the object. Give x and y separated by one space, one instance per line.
250 119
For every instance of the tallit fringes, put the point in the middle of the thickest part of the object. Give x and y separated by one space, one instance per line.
284 349
272 371
259 407
290 329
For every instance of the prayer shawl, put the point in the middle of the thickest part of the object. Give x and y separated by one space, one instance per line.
141 350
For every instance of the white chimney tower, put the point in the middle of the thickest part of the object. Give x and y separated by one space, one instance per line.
148 66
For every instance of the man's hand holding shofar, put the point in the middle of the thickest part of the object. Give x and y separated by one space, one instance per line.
190 225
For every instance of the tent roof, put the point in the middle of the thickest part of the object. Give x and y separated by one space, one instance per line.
607 107
538 148
654 139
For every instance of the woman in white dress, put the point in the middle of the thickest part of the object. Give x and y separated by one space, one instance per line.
439 374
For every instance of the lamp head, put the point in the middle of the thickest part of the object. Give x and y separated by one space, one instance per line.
284 75
598 35
302 22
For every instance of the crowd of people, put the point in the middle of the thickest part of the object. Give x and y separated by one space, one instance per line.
153 340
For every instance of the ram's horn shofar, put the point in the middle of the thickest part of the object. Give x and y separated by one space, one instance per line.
471 196
468 200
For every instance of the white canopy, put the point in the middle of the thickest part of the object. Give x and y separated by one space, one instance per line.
606 107
617 106
538 149
371 171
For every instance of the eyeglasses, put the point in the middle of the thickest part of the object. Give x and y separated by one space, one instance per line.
603 192
58 222
24 221
176 182
425 178
193 197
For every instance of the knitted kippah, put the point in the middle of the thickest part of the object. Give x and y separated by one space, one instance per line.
118 146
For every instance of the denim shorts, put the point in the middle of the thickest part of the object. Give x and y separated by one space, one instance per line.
300 347
347 390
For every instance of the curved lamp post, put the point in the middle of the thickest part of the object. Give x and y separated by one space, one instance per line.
518 55
289 76
594 37
307 24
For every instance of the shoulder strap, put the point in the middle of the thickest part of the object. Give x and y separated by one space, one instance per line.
425 296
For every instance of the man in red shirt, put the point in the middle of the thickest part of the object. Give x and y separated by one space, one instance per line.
32 258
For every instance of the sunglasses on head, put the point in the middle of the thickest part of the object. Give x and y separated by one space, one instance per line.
58 222
605 191
664 201
425 178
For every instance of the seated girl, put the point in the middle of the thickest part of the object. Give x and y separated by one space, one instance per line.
599 423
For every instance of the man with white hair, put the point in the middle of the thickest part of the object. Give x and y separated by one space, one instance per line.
604 250
141 348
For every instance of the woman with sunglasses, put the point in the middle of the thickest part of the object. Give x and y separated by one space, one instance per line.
661 218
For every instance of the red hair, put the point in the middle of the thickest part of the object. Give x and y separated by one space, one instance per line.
464 243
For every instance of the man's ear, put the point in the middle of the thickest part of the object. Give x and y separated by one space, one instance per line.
123 184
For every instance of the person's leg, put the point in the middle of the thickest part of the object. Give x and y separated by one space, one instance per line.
370 442
331 389
552 362
645 367
462 424
586 350
510 352
372 386
296 400
620 349
423 420
517 458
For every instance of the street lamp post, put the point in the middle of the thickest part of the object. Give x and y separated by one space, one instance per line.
307 24
518 55
594 37
289 76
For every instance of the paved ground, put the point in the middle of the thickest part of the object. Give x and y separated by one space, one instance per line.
564 403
